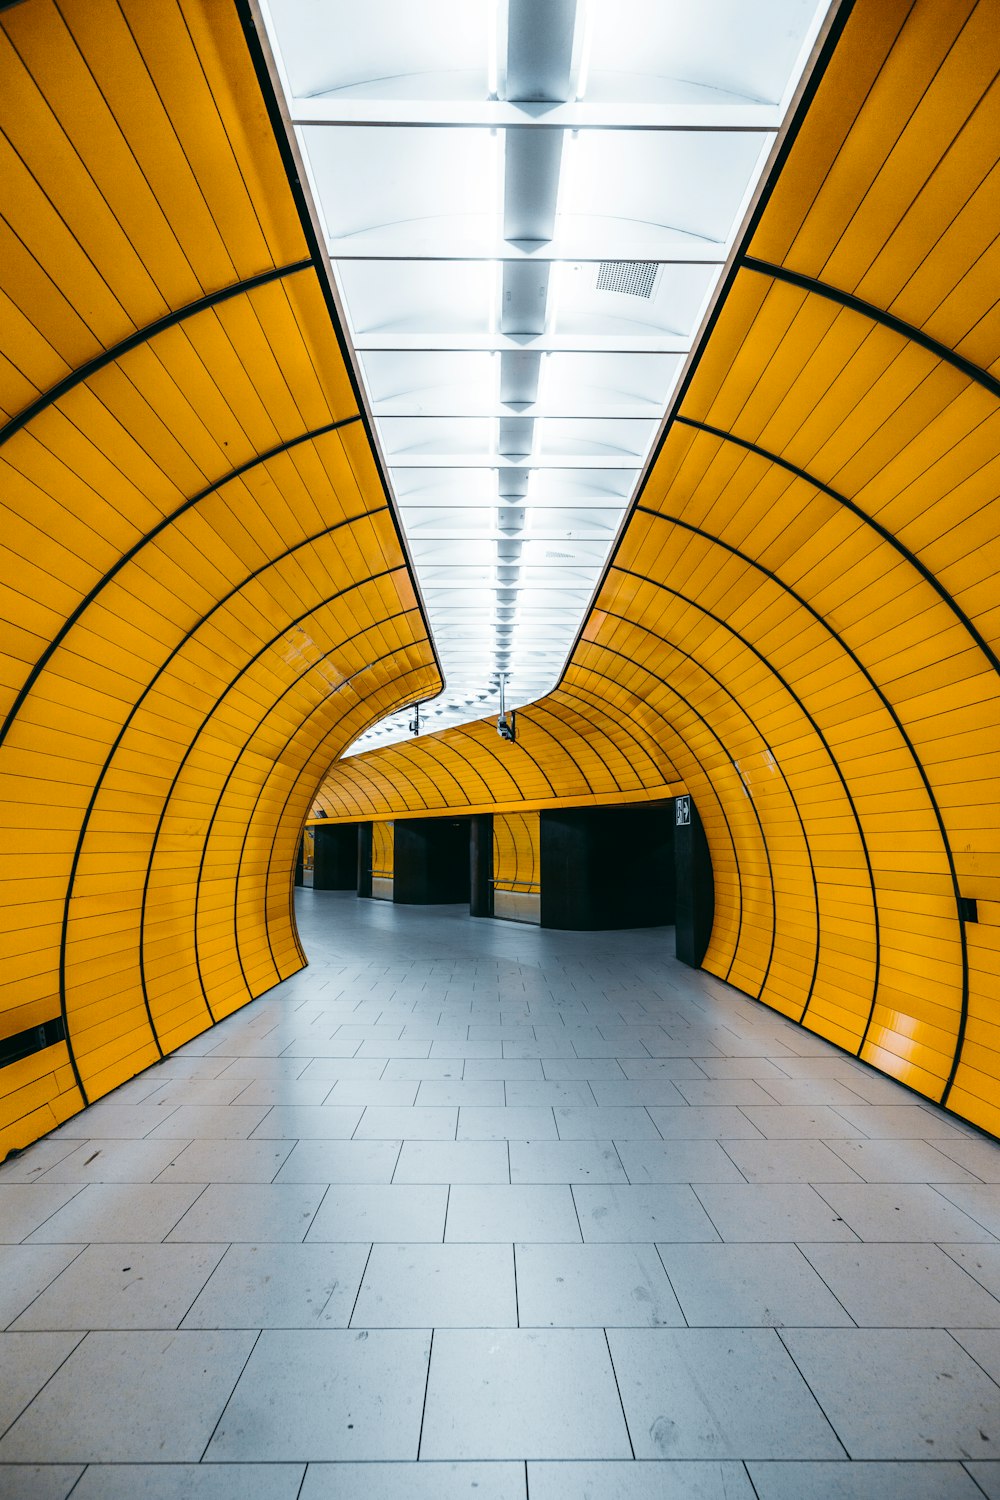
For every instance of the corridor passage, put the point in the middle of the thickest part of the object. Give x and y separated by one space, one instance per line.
471 1209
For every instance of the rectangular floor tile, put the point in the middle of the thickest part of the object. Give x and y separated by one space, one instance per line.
116 1161
772 1212
899 1161
125 1211
423 1481
862 1481
677 1161
398 1215
380 1123
785 1122
565 1161
532 1093
438 1286
340 1161
124 1286
604 1124
750 1286
691 1122
218 1121
483 1124
440 1093
682 1479
903 1286
24 1206
714 1392
912 1211
327 1122
190 1482
225 1161
250 1212
893 1393
641 1214
123 1397
372 1386
789 1161
902 1122
503 1214
593 1286
453 1161
281 1286
522 1393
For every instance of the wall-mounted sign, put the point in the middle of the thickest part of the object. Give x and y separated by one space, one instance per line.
683 812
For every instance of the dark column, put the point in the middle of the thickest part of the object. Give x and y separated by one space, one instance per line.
481 865
364 859
607 867
335 857
430 861
300 861
695 884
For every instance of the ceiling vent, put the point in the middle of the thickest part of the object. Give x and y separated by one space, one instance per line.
632 278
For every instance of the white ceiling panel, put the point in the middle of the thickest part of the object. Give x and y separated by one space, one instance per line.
528 205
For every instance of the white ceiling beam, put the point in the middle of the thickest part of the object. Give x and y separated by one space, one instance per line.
614 239
498 114
397 342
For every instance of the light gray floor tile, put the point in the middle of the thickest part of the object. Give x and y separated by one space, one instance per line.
417 1050
862 1481
810 1092
379 1091
250 1212
689 1122
504 1214
981 1261
716 1392
755 1286
629 1092
789 1161
760 1068
565 1161
196 1091
772 1212
281 1286
652 1480
38 1481
899 1161
333 1069
116 1161
801 1122
979 1157
111 1122
593 1286
912 1212
981 1204
568 1069
382 1123
453 1161
291 1092
902 1122
190 1482
110 1212
605 1123
987 1476
341 1161
522 1393
26 1205
439 1094
483 1124
903 1286
438 1286
893 1393
124 1286
30 1165
668 1212
397 1215
121 1397
533 1094
372 1390
225 1161
677 1161
327 1122
423 1481
416 1070
26 1270
210 1121
27 1361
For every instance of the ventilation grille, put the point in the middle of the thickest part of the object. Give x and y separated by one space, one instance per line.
634 278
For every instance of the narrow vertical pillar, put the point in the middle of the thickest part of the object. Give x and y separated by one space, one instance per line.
364 859
695 884
481 865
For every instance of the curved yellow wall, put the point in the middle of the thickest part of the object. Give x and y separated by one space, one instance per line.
799 624
516 861
204 593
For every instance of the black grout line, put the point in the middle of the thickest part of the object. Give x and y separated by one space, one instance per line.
427 1383
618 1388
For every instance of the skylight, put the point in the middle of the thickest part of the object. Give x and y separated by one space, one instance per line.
528 206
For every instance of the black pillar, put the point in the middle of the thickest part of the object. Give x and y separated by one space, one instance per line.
430 861
300 861
364 859
607 867
481 865
335 857
695 884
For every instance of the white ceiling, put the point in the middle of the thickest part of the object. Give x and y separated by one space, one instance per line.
528 205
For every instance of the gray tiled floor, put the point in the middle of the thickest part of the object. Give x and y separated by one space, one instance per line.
469 1208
